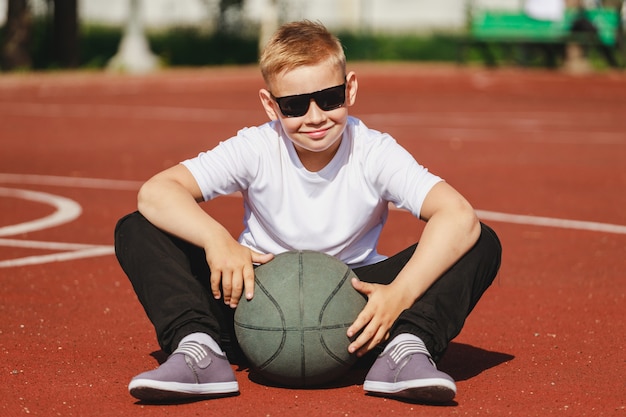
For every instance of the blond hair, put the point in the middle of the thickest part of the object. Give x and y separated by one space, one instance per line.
297 44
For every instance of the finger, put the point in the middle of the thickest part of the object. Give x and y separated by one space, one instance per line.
361 321
261 258
361 324
380 337
236 289
371 337
227 286
364 288
248 281
215 285
361 340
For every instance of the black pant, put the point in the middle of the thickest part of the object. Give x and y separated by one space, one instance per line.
171 280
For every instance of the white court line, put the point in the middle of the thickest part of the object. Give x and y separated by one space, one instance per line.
551 222
94 183
74 251
111 184
546 221
450 123
68 210
39 244
165 113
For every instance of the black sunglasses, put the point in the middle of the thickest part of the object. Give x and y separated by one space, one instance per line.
298 105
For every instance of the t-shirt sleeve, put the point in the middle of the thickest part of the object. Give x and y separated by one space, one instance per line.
399 178
229 166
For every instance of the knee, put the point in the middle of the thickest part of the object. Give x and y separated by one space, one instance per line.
490 243
128 227
127 223
488 233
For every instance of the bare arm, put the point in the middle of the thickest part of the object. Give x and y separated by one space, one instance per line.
451 230
169 200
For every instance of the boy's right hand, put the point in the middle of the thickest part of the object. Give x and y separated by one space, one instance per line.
232 270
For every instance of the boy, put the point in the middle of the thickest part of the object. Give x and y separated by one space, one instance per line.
312 178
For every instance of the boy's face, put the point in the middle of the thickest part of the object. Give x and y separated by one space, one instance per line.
317 133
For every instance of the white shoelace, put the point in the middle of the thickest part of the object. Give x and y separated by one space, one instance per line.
193 349
403 349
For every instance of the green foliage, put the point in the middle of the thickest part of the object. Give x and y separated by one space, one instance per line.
175 47
98 44
366 47
189 46
41 44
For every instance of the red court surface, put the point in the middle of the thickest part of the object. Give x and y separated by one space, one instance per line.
541 156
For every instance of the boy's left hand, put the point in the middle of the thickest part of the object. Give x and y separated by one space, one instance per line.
383 307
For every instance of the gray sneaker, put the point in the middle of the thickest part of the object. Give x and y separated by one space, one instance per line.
192 371
407 371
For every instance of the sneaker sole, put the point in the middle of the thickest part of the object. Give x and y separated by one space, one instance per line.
431 390
158 391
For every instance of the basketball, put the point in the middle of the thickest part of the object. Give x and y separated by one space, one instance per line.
293 331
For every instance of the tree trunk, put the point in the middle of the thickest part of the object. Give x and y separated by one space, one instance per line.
15 51
65 39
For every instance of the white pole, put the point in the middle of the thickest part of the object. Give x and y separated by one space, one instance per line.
269 22
134 55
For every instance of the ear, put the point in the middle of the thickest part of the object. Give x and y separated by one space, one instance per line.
268 104
352 87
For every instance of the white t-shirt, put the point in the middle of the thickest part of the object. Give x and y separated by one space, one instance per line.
339 210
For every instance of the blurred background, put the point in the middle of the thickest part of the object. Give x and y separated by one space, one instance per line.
54 34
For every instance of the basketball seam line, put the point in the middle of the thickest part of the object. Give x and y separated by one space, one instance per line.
282 320
341 283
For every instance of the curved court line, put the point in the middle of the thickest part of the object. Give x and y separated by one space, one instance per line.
483 214
66 211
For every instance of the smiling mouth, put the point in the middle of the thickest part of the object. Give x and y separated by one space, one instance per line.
317 134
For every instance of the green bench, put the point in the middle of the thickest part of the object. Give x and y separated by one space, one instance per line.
508 29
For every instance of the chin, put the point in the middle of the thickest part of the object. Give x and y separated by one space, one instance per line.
320 147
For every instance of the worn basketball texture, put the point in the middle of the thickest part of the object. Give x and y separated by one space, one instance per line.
293 331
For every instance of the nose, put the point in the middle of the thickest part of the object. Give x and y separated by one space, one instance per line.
315 115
